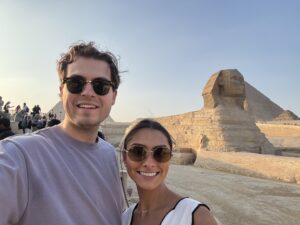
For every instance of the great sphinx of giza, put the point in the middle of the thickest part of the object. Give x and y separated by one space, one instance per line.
227 88
222 124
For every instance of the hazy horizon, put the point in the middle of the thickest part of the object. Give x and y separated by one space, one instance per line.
168 49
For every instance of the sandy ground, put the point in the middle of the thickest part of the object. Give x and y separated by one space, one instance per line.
236 199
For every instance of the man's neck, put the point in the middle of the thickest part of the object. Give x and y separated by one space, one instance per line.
88 135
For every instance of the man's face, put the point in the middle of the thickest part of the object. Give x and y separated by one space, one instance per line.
87 109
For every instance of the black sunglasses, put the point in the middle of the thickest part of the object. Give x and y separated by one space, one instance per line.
76 84
139 153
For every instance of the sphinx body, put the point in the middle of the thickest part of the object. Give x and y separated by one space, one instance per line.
222 125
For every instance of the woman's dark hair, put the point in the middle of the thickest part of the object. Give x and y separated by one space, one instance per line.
151 124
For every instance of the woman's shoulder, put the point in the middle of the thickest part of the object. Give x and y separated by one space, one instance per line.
185 212
201 214
189 204
127 214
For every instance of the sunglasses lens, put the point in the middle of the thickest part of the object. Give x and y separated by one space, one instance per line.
100 86
137 153
75 84
162 154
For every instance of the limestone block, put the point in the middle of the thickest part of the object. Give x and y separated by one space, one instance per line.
183 158
277 167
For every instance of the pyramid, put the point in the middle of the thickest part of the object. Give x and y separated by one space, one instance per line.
287 115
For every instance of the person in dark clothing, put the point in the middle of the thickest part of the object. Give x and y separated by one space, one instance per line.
5 130
53 122
101 135
24 123
36 110
7 107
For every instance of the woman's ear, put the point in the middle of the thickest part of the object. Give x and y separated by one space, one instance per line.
124 157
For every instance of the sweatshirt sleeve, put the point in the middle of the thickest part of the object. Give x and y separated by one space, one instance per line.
13 183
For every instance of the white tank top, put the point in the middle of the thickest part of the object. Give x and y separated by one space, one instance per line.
181 214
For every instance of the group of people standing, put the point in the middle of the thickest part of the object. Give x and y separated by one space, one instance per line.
66 174
4 108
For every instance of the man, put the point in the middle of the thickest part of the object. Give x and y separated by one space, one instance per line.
5 129
1 103
65 174
25 108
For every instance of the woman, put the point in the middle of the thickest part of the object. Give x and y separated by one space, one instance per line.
147 150
7 107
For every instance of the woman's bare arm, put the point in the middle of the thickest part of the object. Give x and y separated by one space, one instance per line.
202 216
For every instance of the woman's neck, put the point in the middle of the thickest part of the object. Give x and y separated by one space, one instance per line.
153 200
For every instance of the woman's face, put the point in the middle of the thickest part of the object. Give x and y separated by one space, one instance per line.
147 174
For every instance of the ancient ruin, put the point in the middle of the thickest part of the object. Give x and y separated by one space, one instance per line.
223 124
287 115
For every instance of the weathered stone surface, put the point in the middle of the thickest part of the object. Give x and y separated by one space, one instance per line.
281 135
222 125
287 115
226 87
277 167
259 106
114 131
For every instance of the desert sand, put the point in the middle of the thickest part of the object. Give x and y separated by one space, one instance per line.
236 199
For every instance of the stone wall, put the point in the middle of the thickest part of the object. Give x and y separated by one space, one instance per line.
264 166
281 135
217 129
114 131
279 130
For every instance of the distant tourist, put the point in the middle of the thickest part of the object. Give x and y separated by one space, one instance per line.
51 115
5 129
53 122
1 103
18 115
17 109
26 123
7 107
41 123
25 108
36 110
34 122
101 135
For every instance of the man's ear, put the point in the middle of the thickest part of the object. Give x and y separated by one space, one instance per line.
60 90
114 96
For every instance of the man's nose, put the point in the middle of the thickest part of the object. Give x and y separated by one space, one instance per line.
88 89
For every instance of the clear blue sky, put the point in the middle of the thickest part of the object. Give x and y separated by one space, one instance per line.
169 48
